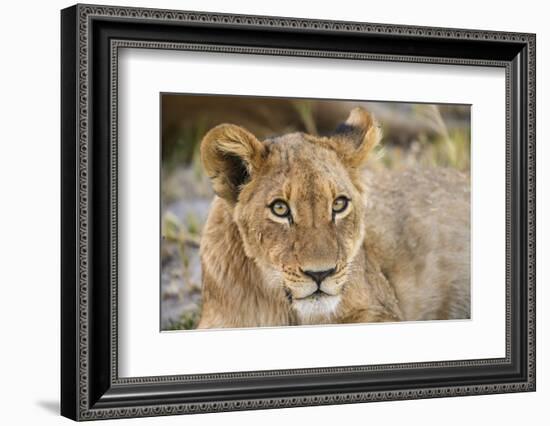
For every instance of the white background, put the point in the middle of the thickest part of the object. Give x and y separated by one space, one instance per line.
29 229
146 352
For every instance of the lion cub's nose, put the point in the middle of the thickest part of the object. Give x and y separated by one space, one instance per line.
319 276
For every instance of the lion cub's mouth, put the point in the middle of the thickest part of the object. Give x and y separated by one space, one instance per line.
316 295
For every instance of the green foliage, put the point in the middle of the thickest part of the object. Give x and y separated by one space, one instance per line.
305 112
193 226
182 145
174 231
187 321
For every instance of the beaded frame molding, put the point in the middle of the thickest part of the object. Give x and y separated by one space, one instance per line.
91 37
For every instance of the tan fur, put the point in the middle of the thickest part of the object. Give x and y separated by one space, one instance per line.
400 251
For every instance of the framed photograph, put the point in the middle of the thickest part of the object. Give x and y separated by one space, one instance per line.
263 212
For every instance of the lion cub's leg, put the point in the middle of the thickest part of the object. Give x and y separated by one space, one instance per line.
214 313
371 297
210 318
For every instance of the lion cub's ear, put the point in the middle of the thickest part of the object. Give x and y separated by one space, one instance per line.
355 139
230 155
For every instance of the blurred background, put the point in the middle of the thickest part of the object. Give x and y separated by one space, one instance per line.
415 135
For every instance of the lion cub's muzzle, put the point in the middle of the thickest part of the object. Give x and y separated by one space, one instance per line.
315 294
318 284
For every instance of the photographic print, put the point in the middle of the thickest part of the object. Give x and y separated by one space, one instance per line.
286 212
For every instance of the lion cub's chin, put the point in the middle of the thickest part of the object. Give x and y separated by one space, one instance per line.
316 309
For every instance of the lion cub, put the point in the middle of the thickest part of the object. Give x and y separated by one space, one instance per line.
301 233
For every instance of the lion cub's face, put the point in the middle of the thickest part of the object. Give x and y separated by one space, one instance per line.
298 203
301 219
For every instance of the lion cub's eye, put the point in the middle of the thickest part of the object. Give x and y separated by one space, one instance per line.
340 204
280 208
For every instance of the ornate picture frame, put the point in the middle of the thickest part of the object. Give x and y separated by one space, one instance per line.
91 37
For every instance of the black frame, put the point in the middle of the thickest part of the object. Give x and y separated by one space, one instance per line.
90 38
